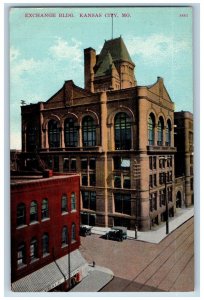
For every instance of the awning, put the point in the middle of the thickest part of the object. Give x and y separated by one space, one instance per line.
50 275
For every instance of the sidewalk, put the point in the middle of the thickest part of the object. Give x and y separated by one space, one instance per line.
158 232
96 279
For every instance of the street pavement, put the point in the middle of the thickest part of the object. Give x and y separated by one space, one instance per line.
147 265
157 232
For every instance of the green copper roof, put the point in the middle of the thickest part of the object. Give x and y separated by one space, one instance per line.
117 49
105 66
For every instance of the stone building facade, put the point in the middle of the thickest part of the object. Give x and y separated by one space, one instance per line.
117 135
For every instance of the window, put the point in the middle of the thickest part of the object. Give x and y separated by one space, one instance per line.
155 179
92 179
53 134
121 163
153 201
45 211
84 163
169 161
150 181
84 180
150 163
160 132
151 126
73 164
70 133
162 197
73 232
21 255
88 131
92 163
122 132
73 201
64 236
33 211
31 134
162 178
21 214
126 182
154 162
33 249
168 133
122 203
64 203
66 164
117 181
89 200
45 244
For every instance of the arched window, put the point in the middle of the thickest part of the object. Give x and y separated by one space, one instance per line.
168 133
160 129
89 131
64 236
33 249
122 132
73 232
33 211
45 209
70 133
151 127
73 201
21 214
45 244
53 134
64 207
21 254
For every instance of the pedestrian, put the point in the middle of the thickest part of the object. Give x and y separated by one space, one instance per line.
94 264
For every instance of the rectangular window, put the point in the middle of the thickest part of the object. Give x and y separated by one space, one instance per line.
89 200
117 163
66 164
117 181
150 181
73 164
92 179
155 179
122 203
150 163
154 162
84 180
84 164
92 163
126 182
93 200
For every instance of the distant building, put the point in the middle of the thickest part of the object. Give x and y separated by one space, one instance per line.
45 233
184 157
117 135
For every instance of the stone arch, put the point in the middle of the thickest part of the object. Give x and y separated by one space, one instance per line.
90 113
69 115
120 109
51 117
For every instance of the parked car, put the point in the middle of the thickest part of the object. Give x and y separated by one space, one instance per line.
124 230
115 234
85 230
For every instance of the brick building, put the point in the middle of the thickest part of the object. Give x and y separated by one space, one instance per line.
118 135
45 233
184 158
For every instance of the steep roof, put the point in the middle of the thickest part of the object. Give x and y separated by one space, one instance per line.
117 49
105 66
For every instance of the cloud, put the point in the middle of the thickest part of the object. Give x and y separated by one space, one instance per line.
63 50
157 47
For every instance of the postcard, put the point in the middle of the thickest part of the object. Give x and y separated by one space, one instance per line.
101 147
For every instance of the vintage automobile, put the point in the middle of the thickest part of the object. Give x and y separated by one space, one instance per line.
85 230
115 234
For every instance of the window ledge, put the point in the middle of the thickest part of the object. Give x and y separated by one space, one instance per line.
21 266
45 219
74 211
21 226
45 255
34 222
34 260
64 213
64 245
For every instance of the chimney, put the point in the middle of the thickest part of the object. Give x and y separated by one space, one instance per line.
89 63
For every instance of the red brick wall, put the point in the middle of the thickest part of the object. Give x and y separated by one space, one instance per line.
52 189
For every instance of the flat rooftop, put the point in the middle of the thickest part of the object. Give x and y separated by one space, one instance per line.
36 178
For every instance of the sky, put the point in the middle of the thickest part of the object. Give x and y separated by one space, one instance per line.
46 51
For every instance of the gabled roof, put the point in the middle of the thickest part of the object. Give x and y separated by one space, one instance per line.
159 89
117 49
